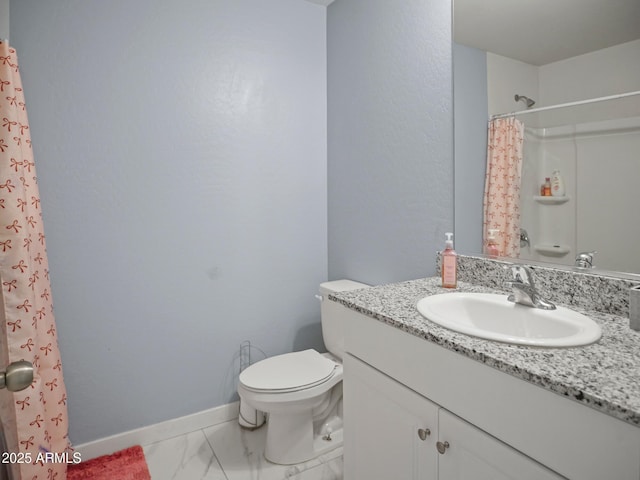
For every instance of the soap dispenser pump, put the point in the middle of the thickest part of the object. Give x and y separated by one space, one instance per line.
449 263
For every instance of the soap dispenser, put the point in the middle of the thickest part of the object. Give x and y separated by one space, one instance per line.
492 244
449 263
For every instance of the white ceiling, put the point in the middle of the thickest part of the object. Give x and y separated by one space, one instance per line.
544 31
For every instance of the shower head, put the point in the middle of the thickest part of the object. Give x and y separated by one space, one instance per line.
530 103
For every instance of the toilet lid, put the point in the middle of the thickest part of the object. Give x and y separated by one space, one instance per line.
288 372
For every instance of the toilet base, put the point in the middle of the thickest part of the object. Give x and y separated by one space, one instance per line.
291 439
249 418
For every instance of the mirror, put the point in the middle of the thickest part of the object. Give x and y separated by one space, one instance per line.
554 53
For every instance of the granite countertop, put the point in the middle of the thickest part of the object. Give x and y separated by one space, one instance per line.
604 375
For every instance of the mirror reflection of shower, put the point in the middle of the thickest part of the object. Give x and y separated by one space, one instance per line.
530 103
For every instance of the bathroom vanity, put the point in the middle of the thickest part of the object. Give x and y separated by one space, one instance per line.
424 402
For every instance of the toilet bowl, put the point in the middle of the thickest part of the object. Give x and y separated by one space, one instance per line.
300 392
299 403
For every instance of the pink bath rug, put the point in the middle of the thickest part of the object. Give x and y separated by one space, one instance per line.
128 464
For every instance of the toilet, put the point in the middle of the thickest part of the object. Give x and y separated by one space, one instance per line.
300 393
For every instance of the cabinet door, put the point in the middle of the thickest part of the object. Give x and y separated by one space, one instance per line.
389 430
472 454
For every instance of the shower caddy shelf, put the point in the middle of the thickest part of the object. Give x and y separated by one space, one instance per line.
552 250
546 249
551 200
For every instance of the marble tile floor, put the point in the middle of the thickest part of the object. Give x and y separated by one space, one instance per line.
227 452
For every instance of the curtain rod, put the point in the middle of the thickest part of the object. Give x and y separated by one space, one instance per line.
563 105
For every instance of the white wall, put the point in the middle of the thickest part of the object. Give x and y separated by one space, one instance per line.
546 150
600 164
506 78
181 155
598 160
608 171
605 72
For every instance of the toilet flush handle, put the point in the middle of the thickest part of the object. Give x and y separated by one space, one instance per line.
319 297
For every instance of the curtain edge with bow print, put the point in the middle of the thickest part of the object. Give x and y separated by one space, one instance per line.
35 419
501 204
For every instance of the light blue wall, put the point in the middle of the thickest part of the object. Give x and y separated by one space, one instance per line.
471 114
181 154
390 137
4 19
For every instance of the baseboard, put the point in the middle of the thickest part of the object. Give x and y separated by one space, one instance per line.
159 431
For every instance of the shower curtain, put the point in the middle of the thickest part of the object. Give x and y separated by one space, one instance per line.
502 184
35 419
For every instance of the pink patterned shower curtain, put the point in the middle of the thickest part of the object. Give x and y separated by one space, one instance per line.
502 184
35 419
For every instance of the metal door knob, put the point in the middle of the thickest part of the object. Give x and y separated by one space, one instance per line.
423 433
442 447
18 376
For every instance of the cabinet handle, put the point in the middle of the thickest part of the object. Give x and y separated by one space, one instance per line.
423 433
442 447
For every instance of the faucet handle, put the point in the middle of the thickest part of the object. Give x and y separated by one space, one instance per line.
523 274
585 259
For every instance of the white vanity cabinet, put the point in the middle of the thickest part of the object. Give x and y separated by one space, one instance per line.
392 432
392 429
397 386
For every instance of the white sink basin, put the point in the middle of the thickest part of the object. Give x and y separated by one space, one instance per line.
493 317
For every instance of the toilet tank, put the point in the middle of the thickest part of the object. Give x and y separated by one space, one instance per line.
332 328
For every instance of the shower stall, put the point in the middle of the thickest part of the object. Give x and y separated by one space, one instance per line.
594 144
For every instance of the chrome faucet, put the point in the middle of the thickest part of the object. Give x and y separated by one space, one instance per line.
585 259
524 290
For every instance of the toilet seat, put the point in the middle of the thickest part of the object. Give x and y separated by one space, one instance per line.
290 372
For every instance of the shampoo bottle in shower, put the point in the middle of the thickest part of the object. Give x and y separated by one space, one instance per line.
557 184
449 264
492 244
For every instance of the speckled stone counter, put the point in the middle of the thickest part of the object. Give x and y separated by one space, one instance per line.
582 288
604 376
